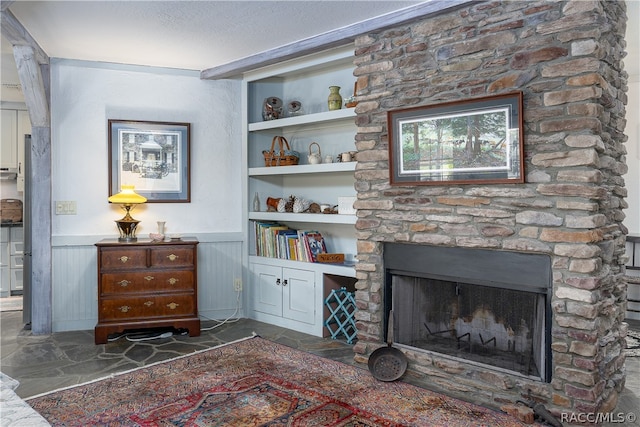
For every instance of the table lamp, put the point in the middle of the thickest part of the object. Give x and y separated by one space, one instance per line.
127 225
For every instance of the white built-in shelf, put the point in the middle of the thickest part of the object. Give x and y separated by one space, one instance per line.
303 169
305 119
347 269
304 217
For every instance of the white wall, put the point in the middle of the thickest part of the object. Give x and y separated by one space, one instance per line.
86 94
632 178
632 66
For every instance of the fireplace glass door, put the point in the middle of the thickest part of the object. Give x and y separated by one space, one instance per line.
501 327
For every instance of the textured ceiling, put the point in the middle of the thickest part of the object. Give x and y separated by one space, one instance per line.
196 35
192 35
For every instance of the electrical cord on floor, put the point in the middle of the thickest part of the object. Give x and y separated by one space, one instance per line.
141 336
230 319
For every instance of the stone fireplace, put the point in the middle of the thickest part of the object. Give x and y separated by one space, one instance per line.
546 325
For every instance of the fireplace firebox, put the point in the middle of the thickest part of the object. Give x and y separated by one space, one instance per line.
481 306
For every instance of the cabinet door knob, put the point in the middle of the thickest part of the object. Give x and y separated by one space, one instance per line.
285 282
124 259
148 278
172 305
124 283
172 257
124 308
172 281
278 282
148 303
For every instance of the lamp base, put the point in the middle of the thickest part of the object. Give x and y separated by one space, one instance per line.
127 228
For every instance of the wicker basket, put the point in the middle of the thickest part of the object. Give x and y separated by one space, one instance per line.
283 157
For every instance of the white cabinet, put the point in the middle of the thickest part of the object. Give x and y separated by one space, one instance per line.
11 260
5 260
284 292
16 250
9 142
307 81
15 125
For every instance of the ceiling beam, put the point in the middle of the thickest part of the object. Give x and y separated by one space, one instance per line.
16 34
334 38
4 4
33 87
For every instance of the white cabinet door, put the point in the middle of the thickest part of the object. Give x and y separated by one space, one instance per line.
267 289
284 292
9 141
5 282
298 295
16 279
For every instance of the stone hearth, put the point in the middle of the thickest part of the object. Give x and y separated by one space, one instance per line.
566 58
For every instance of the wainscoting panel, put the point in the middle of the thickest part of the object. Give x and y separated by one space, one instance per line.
219 264
75 286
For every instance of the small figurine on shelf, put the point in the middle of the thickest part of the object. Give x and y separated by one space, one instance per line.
272 204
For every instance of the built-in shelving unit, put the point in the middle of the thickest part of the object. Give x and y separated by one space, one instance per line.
286 292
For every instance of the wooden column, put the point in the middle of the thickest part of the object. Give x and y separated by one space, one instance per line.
36 97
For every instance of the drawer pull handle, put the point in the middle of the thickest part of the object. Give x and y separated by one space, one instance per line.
148 278
124 283
124 259
172 305
277 282
124 308
148 303
172 257
285 283
172 281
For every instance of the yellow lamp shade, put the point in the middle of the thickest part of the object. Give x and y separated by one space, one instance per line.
127 196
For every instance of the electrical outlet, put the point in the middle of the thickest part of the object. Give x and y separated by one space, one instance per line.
237 284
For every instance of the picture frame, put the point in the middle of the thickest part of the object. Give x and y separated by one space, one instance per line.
154 157
474 141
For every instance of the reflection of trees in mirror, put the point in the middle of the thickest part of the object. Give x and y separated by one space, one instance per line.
465 140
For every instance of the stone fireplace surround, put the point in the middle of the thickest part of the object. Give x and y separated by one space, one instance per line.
566 58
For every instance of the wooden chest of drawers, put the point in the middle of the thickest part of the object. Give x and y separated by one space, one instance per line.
147 285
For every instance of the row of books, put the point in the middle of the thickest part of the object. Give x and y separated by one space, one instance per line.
275 240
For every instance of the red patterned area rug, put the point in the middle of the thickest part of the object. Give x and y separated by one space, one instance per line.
255 382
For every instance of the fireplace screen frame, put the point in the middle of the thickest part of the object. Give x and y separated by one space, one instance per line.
473 266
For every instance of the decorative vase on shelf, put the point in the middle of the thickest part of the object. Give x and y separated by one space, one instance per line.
256 203
335 99
161 228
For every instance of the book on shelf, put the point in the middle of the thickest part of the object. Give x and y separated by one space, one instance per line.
275 240
314 243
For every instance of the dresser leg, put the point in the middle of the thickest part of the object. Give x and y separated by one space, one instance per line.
101 335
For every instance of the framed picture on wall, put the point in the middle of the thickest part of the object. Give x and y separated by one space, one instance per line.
473 141
153 157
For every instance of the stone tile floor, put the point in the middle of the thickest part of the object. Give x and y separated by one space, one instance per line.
46 363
